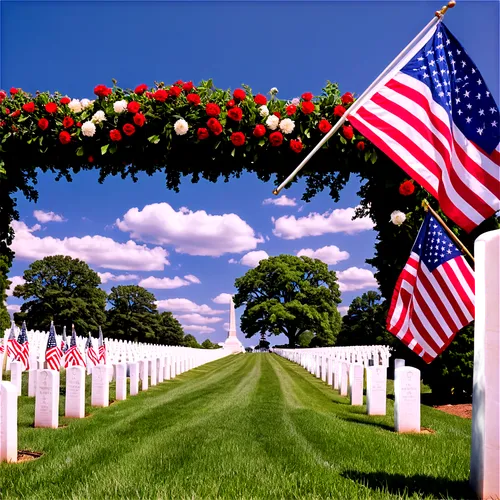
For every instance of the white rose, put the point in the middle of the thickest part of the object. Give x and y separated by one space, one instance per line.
88 129
181 127
264 111
75 105
272 122
120 106
287 126
273 91
85 103
398 217
99 116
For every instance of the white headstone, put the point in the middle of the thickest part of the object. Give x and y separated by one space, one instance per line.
100 386
75 392
143 364
344 375
172 366
134 378
407 399
121 381
32 381
330 371
324 368
159 364
153 371
398 363
376 390
337 371
8 422
16 375
356 383
166 368
47 399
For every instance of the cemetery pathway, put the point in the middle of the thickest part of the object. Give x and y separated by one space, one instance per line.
245 426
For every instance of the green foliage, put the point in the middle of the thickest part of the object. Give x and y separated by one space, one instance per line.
190 341
208 344
133 315
4 284
168 330
290 295
304 339
64 290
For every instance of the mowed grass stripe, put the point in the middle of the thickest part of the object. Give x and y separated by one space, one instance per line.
246 426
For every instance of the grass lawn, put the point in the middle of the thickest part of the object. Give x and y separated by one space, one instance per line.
246 426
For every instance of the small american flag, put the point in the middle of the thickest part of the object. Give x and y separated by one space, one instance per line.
73 355
24 344
434 295
53 354
64 341
102 348
434 116
91 354
13 347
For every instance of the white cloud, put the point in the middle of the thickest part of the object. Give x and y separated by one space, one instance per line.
252 259
106 277
222 298
282 201
197 319
13 308
44 217
339 220
225 326
198 328
164 283
233 261
355 278
329 254
194 233
14 281
192 278
343 310
95 250
185 306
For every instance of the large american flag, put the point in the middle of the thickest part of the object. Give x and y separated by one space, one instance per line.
13 348
73 355
434 116
434 295
53 353
24 344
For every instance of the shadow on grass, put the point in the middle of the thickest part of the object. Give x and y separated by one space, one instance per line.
368 422
398 484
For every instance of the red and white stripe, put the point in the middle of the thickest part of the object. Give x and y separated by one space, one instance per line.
14 349
102 354
53 357
429 308
92 357
73 357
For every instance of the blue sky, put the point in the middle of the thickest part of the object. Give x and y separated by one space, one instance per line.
294 46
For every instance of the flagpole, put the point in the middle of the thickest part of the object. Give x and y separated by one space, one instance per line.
437 17
453 236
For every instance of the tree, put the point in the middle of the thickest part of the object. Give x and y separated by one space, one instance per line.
190 341
290 295
133 314
169 331
64 290
4 284
208 344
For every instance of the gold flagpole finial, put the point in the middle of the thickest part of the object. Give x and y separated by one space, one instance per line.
276 192
449 5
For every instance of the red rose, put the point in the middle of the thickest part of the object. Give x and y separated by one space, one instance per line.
276 139
2 123
347 98
239 94
128 129
278 114
7 111
149 95
65 100
202 133
296 146
307 107
238 138
3 95
133 107
139 119
90 159
291 109
235 114
193 99
360 145
64 137
43 123
259 131
230 104
79 124
51 107
140 89
338 111
29 107
260 100
68 122
214 125
115 135
406 188
174 91
16 113
324 126
102 91
212 109
179 82
307 96
13 91
160 95
348 132
188 86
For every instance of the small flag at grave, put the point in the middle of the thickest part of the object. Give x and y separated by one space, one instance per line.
73 355
434 295
64 341
53 354
102 348
91 354
13 347
24 344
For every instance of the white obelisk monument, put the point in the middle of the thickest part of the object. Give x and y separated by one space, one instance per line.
232 343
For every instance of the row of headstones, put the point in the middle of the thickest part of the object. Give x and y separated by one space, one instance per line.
348 379
44 385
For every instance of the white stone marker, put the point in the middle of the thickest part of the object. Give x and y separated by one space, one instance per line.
121 381
144 374
344 378
172 367
8 422
159 364
323 368
47 399
16 375
407 399
75 392
337 370
330 371
376 390
166 369
134 378
398 363
100 386
32 373
356 383
152 371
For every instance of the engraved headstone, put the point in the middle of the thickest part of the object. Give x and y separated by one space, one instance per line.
143 364
47 399
16 375
121 381
134 378
356 383
8 422
407 399
75 392
100 386
344 376
153 372
376 390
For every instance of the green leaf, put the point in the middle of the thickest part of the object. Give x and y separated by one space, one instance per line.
79 151
262 142
367 155
307 133
374 156
155 139
343 140
233 152
113 148
104 149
